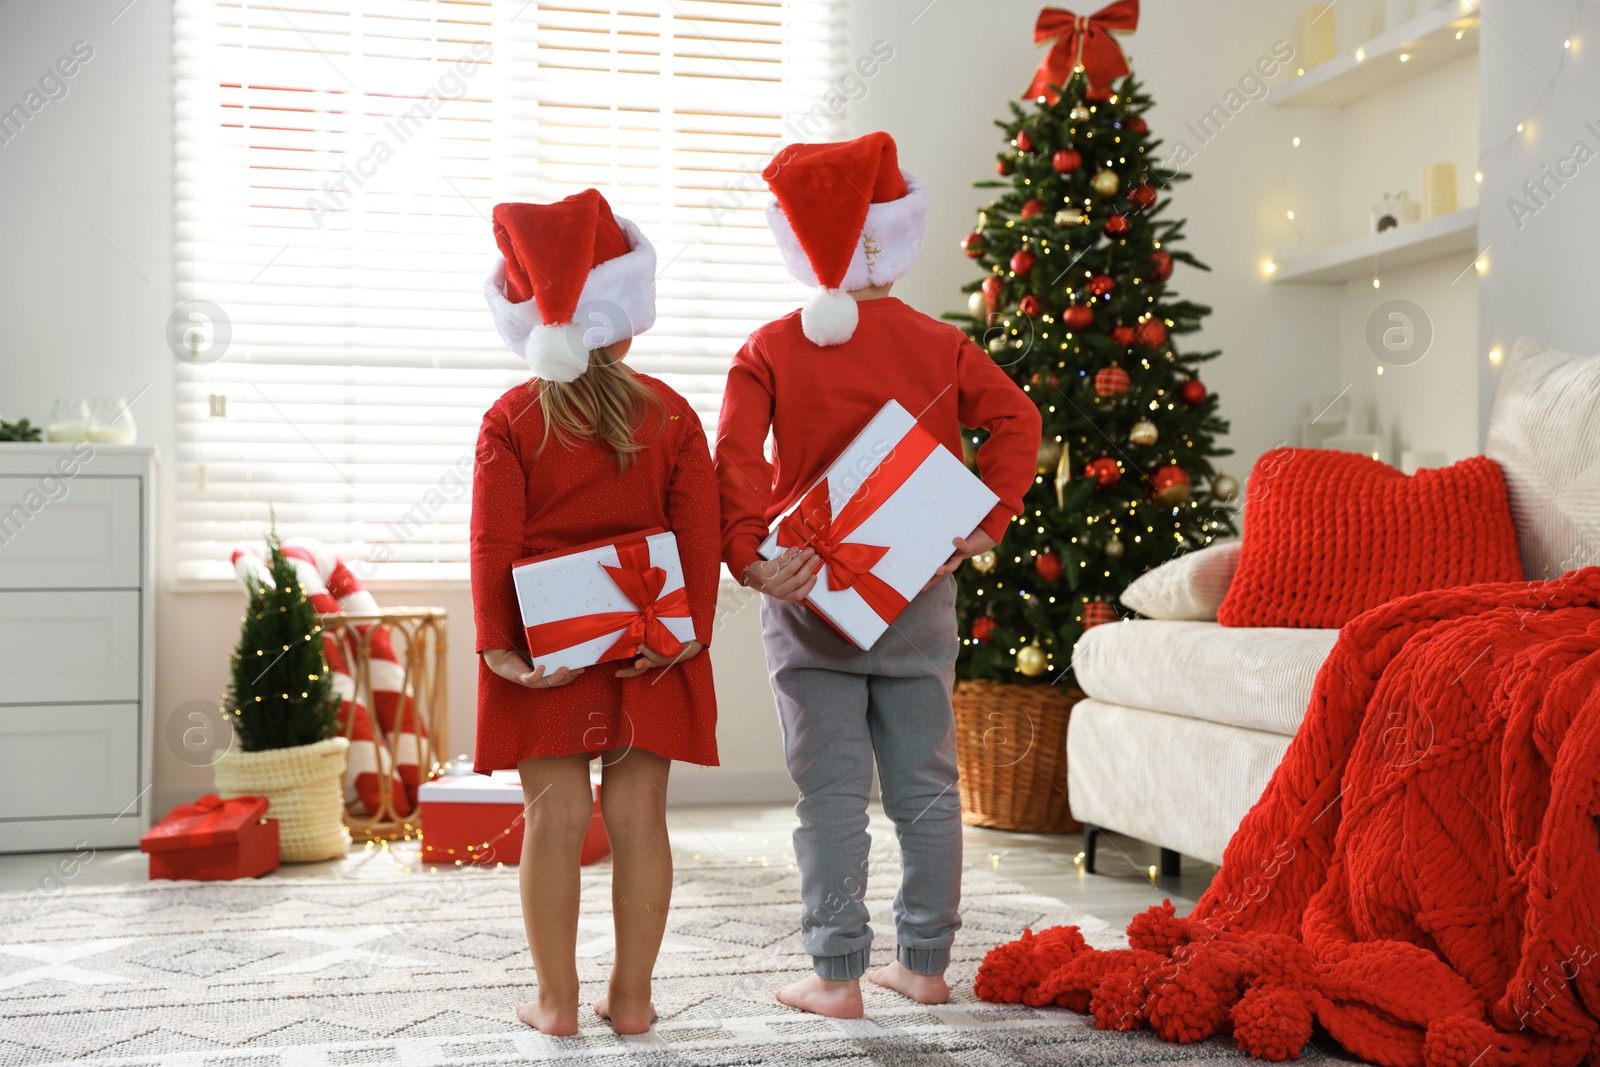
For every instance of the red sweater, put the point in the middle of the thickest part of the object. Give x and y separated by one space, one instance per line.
815 399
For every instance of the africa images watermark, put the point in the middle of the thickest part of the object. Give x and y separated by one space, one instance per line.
1539 191
52 85
51 487
1251 87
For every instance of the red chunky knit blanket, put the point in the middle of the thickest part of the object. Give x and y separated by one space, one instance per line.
1421 876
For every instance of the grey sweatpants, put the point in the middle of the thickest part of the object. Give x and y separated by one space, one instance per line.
840 706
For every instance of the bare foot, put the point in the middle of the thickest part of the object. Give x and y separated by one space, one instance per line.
922 988
554 1022
628 1017
824 996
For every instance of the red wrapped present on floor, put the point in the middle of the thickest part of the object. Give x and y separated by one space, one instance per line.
213 840
477 818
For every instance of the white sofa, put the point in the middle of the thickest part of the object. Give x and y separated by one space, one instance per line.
1186 720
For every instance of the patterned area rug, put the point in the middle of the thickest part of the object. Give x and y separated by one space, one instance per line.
426 969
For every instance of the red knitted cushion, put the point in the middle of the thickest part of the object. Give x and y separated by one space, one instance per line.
1328 535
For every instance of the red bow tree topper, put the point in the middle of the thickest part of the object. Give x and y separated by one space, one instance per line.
1081 41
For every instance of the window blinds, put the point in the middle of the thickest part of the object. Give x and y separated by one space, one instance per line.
336 167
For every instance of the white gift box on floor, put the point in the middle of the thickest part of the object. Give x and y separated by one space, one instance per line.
597 602
895 500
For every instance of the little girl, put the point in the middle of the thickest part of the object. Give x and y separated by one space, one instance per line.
588 451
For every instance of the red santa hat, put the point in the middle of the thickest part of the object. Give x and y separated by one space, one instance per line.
846 217
571 277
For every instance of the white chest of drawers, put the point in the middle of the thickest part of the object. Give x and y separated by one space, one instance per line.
76 637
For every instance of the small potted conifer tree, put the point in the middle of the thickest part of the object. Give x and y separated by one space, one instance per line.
283 709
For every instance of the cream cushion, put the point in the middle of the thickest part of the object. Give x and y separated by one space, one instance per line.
1189 587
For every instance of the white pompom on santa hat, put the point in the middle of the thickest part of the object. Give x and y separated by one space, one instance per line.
571 277
846 217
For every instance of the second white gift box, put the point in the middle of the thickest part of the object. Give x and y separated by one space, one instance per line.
882 518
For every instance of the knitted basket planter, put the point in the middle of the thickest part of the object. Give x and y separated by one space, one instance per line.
1011 747
304 785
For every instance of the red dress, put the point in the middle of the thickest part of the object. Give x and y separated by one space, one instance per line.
571 495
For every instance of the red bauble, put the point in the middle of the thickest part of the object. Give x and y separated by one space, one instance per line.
1100 285
1022 263
983 628
1078 317
1098 613
1160 265
1136 124
1142 196
1122 335
1029 306
1152 333
1170 485
972 245
1004 166
1049 566
1023 142
1104 471
1193 392
1031 208
1111 381
1066 161
991 293
1117 225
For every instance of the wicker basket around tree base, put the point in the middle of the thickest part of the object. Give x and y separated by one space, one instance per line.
1011 745
304 790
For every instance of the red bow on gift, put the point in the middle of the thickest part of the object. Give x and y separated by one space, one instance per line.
813 525
641 584
1081 41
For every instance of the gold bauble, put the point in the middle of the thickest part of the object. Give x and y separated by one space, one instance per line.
1143 433
983 221
998 344
1115 548
1079 113
1105 183
1063 475
1031 661
1049 456
978 306
984 562
1071 217
1173 495
1225 487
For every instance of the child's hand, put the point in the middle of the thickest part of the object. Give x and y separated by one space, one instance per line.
966 548
513 668
649 659
789 577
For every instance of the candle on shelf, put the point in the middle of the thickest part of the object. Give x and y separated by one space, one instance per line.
1316 34
1438 189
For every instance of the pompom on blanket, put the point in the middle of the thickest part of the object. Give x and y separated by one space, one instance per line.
1421 877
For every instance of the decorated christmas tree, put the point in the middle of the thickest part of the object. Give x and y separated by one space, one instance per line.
282 694
1076 305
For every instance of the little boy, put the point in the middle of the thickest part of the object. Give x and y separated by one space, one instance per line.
847 218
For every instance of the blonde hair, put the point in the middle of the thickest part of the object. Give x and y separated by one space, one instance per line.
606 403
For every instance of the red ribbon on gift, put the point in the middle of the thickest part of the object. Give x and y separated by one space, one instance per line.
1081 41
813 525
210 820
641 584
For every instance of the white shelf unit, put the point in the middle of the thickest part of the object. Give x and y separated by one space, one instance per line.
1444 237
1430 40
77 628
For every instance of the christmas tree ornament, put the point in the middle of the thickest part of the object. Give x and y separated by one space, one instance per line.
1117 225
1111 381
998 344
1104 471
1115 548
1078 317
1031 207
1160 265
1105 183
1066 160
1023 142
972 245
969 452
1048 565
992 288
1136 124
1143 433
1071 217
984 562
1151 333
1142 196
1063 475
1170 485
1100 285
1030 306
1031 660
983 628
1049 455
1193 392
1022 263
1122 335
983 221
1003 166
976 306
1079 113
1225 487
1098 613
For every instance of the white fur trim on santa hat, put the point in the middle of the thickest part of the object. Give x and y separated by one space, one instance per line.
618 301
829 317
886 250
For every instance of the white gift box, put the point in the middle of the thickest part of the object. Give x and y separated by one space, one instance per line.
576 613
908 526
